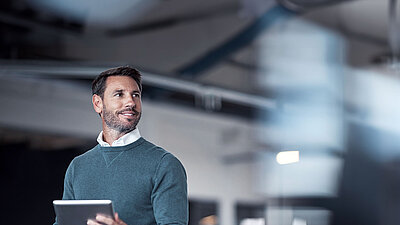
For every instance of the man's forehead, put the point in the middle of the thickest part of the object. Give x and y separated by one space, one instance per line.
121 83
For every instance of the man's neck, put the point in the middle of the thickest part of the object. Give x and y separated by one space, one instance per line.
110 135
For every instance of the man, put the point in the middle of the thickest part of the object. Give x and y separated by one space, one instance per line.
146 183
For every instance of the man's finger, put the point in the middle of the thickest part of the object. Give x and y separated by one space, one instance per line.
104 219
118 220
92 222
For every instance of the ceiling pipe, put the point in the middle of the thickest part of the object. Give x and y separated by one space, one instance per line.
32 24
51 70
301 5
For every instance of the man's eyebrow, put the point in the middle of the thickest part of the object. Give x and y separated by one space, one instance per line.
122 90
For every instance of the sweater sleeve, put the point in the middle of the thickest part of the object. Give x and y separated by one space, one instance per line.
68 193
169 194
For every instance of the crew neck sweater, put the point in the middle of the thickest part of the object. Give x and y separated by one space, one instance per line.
146 184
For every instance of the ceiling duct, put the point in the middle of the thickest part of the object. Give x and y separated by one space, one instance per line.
300 5
211 98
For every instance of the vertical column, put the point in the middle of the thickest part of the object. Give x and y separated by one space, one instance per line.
226 212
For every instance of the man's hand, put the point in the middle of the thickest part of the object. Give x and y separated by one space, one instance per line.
101 219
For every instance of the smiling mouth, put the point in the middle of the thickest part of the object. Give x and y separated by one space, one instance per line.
128 115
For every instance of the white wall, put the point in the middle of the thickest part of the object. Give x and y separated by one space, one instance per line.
47 106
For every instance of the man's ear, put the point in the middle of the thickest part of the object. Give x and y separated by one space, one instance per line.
97 103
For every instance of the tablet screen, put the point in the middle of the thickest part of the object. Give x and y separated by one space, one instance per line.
77 212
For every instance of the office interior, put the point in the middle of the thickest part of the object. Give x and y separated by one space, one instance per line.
283 112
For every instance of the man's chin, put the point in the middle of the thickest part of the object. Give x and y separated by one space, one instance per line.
129 126
123 127
125 130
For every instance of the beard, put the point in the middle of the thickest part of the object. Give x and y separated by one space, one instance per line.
114 122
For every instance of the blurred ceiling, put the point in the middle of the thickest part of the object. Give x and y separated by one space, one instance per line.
214 43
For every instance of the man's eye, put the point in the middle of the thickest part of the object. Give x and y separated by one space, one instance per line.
118 95
136 95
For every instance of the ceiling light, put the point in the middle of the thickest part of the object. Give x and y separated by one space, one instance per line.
287 157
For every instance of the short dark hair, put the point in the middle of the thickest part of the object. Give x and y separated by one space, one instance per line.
99 83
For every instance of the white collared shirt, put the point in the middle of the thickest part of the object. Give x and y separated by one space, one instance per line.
122 141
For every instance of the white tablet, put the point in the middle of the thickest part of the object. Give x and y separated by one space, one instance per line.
77 212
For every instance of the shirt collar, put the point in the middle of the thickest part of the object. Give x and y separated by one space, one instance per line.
122 141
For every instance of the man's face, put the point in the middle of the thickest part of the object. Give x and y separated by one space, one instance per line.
120 107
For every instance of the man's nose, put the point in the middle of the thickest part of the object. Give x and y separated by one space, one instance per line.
130 101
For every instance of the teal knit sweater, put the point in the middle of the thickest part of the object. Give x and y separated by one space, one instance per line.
146 183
